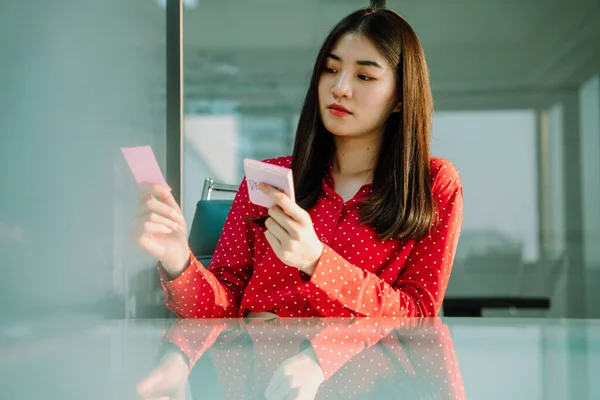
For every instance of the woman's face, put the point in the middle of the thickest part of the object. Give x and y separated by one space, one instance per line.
356 89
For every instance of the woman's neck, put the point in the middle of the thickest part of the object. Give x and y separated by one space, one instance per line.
355 156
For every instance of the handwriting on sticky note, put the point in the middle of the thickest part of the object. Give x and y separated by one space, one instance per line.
143 165
254 185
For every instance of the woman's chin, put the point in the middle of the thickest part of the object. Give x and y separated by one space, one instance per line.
343 132
337 132
337 129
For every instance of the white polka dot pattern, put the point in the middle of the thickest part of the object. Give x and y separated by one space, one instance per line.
357 274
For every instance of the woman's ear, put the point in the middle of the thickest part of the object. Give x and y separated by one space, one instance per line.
398 107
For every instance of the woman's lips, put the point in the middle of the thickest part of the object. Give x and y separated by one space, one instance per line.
338 110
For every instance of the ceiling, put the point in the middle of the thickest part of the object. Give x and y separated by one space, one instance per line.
260 52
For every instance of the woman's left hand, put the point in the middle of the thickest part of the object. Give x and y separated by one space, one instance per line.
290 232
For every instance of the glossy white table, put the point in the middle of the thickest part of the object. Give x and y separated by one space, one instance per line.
374 359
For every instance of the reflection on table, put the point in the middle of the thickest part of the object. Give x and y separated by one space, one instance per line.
492 358
310 358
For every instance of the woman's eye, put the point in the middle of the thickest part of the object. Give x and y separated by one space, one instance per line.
329 70
365 78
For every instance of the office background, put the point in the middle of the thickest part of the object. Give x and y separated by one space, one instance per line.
517 94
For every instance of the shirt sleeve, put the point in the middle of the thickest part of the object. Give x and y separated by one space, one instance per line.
414 354
338 342
217 292
193 339
338 288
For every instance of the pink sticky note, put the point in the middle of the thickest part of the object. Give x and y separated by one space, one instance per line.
279 177
143 165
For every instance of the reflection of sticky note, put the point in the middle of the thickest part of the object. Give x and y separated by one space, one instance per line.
143 165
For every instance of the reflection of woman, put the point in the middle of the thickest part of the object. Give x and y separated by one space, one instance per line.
377 219
378 358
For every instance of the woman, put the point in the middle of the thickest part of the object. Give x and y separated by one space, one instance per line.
377 220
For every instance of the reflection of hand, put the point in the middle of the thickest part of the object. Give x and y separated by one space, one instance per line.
167 381
298 378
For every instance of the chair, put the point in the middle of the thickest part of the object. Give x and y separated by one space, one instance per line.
209 220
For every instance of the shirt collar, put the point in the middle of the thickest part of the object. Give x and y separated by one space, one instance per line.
328 187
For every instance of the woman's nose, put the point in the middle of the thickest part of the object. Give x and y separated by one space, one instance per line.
342 88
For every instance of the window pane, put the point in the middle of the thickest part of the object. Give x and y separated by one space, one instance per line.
495 153
79 79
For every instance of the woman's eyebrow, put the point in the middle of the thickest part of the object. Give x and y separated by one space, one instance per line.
366 63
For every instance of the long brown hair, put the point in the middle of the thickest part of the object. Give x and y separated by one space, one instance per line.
400 205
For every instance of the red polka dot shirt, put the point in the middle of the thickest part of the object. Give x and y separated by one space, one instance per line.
357 274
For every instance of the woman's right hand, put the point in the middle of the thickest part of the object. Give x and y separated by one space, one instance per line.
159 228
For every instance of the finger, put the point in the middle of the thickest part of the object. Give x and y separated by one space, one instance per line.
273 241
147 190
147 208
148 386
143 233
152 227
286 222
159 219
282 200
148 243
165 196
144 189
276 230
153 205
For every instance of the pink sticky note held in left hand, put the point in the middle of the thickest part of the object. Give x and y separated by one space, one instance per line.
143 165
